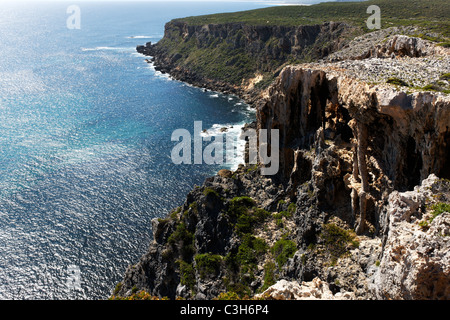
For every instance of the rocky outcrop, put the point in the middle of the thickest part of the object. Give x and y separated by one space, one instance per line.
355 129
415 263
387 43
385 56
313 290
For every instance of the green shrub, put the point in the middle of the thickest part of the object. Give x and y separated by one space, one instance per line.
211 192
208 264
239 206
269 276
445 44
246 215
250 249
438 209
282 250
228 296
249 218
117 288
284 214
291 208
424 225
431 87
182 240
187 274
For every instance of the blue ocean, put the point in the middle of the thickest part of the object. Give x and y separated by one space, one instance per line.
85 141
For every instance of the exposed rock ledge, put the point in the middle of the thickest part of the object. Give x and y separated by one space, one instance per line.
313 290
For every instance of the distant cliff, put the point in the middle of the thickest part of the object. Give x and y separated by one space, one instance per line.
237 57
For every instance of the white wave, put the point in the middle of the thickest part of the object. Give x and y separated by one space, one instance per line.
215 95
107 48
140 37
233 132
161 75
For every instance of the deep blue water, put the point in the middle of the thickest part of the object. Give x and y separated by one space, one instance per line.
85 128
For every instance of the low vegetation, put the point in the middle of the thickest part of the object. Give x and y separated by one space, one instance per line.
208 264
337 241
397 82
282 250
431 14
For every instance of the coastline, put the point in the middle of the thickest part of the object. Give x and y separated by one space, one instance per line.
220 129
327 225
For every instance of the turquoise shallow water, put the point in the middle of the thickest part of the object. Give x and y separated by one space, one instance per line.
85 128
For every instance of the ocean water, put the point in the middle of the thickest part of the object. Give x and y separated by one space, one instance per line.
85 142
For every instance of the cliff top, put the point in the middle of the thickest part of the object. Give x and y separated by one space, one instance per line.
430 14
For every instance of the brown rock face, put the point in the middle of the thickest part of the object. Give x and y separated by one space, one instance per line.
391 140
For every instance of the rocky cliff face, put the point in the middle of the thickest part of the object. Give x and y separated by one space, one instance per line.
357 210
233 57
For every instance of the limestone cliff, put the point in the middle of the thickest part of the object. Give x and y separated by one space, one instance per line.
234 57
359 208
